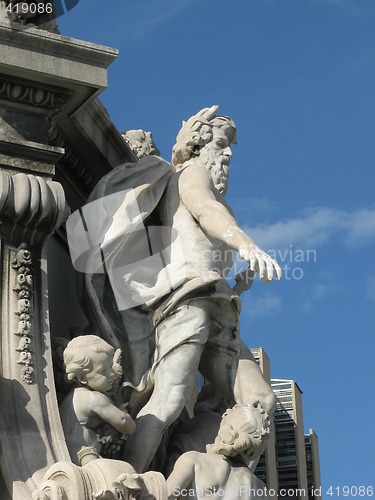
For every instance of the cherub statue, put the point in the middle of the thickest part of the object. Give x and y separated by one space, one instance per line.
223 471
141 142
93 366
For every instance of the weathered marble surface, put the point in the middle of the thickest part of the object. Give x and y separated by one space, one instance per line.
100 479
223 472
194 325
141 142
92 367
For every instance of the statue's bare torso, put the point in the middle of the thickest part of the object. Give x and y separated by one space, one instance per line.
204 255
197 321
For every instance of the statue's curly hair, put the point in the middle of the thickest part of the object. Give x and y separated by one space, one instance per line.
246 429
77 357
197 132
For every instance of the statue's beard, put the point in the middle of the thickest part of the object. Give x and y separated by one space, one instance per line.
219 171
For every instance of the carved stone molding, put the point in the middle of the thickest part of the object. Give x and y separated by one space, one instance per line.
76 165
100 479
22 264
39 95
31 435
31 208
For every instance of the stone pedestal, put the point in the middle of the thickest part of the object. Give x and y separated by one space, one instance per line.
45 80
100 479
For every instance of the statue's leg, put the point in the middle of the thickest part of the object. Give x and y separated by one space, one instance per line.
174 379
228 364
250 385
239 378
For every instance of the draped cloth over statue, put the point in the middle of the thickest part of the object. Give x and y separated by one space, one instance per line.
122 253
134 269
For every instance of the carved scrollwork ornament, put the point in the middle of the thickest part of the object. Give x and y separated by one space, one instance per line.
71 160
22 264
31 209
52 491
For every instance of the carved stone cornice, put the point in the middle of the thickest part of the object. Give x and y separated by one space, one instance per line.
16 155
35 94
78 168
31 208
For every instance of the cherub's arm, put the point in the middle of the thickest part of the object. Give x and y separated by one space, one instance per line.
197 195
182 475
107 411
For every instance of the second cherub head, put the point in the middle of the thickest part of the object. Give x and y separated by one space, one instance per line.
243 432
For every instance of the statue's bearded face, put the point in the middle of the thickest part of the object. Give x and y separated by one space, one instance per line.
216 157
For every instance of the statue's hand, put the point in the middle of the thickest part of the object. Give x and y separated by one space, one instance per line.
260 262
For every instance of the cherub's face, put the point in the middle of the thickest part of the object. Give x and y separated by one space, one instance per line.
230 424
226 432
101 378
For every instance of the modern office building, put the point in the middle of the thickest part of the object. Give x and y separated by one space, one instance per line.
290 439
291 461
313 465
266 469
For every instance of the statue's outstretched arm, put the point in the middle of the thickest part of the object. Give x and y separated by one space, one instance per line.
197 194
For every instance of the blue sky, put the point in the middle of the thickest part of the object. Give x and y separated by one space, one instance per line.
298 78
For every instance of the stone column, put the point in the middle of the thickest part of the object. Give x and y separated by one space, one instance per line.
44 78
31 208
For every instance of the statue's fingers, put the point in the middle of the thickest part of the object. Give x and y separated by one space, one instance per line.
270 269
277 269
253 262
262 267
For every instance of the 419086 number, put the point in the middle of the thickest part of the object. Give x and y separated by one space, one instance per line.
350 491
24 8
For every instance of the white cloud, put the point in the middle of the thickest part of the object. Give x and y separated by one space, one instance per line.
260 305
323 287
360 226
316 227
308 231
